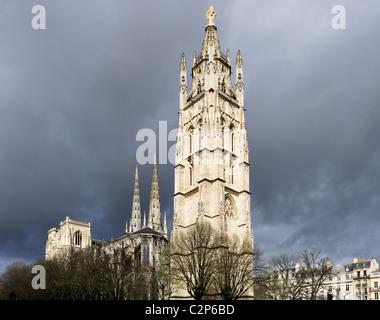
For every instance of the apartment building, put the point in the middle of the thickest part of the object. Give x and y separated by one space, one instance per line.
358 280
374 281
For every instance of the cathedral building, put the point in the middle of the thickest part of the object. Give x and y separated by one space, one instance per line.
143 238
212 156
211 171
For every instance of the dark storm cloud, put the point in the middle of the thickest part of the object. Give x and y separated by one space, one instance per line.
314 127
73 96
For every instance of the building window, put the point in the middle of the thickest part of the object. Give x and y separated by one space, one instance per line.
146 253
191 139
364 273
358 273
347 287
347 276
138 257
376 284
78 239
376 296
223 138
191 176
232 139
200 137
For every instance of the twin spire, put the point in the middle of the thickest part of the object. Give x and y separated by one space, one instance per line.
154 218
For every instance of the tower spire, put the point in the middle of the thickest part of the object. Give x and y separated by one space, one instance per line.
154 220
183 65
211 43
135 223
183 81
239 78
165 224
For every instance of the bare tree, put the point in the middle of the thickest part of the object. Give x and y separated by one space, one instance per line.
315 268
261 273
234 269
164 281
286 285
193 259
297 277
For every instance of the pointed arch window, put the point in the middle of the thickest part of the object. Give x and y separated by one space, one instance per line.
232 138
200 135
223 137
78 239
191 140
146 255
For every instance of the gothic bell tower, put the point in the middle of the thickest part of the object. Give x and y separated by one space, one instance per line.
211 162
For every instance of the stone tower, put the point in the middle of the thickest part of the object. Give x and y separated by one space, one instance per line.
212 163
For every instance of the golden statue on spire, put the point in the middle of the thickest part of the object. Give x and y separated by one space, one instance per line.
211 16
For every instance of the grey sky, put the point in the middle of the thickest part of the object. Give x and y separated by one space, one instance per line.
73 96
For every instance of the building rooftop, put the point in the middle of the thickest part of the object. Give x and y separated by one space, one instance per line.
146 230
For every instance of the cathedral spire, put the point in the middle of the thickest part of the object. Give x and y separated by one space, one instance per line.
154 220
183 65
239 67
165 224
239 79
135 223
183 81
211 43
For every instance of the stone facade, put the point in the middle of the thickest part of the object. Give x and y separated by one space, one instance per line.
351 281
144 241
212 156
71 233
